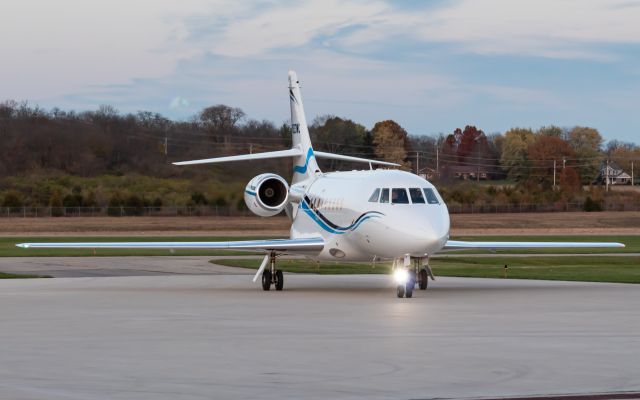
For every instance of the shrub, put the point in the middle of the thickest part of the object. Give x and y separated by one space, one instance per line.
55 202
12 199
591 205
199 199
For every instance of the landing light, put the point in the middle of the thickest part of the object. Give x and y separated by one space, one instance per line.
401 276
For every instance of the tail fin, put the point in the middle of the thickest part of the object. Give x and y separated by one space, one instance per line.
304 159
305 165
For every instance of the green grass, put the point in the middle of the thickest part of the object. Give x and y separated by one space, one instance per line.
591 269
4 275
632 243
8 246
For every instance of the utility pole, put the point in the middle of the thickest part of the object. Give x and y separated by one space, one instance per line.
564 163
631 173
554 174
437 162
417 163
166 145
250 148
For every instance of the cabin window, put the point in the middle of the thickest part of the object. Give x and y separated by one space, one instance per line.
416 196
384 198
374 196
431 196
399 196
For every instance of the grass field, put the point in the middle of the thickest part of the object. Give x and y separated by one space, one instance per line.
585 268
8 248
4 275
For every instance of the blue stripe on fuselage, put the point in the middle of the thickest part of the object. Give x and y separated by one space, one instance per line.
339 230
301 169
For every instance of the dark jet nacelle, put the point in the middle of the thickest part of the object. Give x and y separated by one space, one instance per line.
266 195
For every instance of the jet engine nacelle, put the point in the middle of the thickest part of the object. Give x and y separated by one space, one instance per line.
266 195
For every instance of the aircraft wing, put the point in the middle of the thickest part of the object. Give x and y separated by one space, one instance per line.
279 245
245 157
456 244
322 154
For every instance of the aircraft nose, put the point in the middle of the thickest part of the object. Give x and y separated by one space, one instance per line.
427 234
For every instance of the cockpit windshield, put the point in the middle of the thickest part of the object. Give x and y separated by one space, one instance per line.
404 196
416 196
384 198
431 196
374 196
399 196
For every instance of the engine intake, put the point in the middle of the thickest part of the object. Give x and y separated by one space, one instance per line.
266 195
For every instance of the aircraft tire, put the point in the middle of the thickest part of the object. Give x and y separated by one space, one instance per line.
424 279
279 280
266 280
400 291
408 293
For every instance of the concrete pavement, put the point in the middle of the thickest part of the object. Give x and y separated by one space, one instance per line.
220 336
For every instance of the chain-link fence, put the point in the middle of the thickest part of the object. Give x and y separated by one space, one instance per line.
165 211
229 211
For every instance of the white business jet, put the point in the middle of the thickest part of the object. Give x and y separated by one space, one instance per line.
368 215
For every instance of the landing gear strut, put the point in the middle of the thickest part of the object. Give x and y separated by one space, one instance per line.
272 275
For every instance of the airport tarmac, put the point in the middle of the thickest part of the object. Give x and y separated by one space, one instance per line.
220 336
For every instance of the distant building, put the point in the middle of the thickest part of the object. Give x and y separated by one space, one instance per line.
615 175
468 172
428 173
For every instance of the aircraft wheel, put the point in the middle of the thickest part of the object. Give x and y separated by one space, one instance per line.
423 279
409 289
400 291
266 280
279 280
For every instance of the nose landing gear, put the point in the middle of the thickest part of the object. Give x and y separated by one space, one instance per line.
408 276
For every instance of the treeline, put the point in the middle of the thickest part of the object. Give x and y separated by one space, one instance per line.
106 158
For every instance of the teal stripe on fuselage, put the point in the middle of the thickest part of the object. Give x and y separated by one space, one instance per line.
339 230
301 169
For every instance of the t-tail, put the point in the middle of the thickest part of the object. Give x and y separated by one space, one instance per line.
304 157
304 165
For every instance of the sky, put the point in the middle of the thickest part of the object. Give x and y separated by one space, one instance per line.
432 66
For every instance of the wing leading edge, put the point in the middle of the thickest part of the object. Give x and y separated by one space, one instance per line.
456 244
279 245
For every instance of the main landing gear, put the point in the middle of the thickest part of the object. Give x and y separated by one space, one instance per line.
272 275
408 274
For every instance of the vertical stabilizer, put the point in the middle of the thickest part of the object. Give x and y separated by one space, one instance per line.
304 166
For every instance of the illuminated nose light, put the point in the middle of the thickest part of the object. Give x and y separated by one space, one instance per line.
401 276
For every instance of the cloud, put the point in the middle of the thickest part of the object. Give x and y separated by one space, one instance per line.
179 102
546 28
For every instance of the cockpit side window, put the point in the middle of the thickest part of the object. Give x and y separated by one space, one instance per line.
384 197
431 196
399 196
374 196
416 196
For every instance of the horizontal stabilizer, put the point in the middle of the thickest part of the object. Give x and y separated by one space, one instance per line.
455 244
332 156
279 245
245 157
